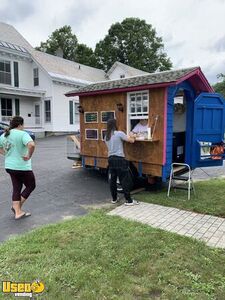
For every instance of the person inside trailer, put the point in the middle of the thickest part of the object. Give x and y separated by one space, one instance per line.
141 127
140 130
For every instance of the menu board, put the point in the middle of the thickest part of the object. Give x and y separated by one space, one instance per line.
106 115
103 134
91 134
91 117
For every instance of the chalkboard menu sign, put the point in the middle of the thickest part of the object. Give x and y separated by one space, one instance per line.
91 117
103 134
91 134
106 115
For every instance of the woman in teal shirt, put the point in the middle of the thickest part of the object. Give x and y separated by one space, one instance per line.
17 146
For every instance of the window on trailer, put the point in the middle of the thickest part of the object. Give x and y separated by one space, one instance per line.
91 134
138 108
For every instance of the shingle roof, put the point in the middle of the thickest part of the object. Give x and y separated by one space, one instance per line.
130 71
153 78
58 65
51 63
9 34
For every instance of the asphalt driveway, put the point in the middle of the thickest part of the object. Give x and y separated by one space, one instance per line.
61 191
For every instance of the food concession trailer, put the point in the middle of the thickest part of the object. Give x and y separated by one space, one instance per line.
185 120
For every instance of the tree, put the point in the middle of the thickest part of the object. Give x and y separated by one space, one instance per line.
219 87
132 42
64 40
85 55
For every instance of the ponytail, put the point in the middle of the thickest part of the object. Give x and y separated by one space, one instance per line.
14 123
111 127
7 132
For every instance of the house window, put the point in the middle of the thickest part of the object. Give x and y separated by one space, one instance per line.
91 134
122 76
5 72
36 76
138 107
47 111
6 109
16 74
74 112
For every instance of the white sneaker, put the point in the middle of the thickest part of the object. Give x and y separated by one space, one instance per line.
115 201
134 202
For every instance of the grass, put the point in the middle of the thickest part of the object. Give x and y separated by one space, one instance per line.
105 257
209 199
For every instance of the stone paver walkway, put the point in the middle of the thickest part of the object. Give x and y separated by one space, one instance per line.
207 228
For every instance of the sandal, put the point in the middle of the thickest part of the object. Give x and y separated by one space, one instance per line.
25 215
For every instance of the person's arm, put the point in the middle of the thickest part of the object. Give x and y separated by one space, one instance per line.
127 138
2 152
31 147
131 139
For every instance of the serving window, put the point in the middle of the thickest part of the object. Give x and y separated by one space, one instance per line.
106 115
138 108
91 134
91 117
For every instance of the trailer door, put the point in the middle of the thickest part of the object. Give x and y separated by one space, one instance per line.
208 129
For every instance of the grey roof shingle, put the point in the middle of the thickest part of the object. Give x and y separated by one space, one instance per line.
153 78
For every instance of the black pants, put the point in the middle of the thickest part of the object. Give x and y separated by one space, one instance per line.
20 178
119 167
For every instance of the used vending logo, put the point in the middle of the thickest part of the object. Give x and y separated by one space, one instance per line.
23 289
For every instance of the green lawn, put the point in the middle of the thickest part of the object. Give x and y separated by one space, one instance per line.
105 257
209 199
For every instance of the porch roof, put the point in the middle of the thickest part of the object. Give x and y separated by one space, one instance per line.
22 92
159 79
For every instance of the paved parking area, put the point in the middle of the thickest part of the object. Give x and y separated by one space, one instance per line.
206 228
61 191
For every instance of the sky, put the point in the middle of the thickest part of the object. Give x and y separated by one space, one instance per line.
193 31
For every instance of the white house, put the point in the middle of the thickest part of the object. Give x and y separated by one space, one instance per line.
33 84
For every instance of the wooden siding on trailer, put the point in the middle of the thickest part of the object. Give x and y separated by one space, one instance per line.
150 154
99 103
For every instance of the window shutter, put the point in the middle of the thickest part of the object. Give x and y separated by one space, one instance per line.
71 111
16 74
17 107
